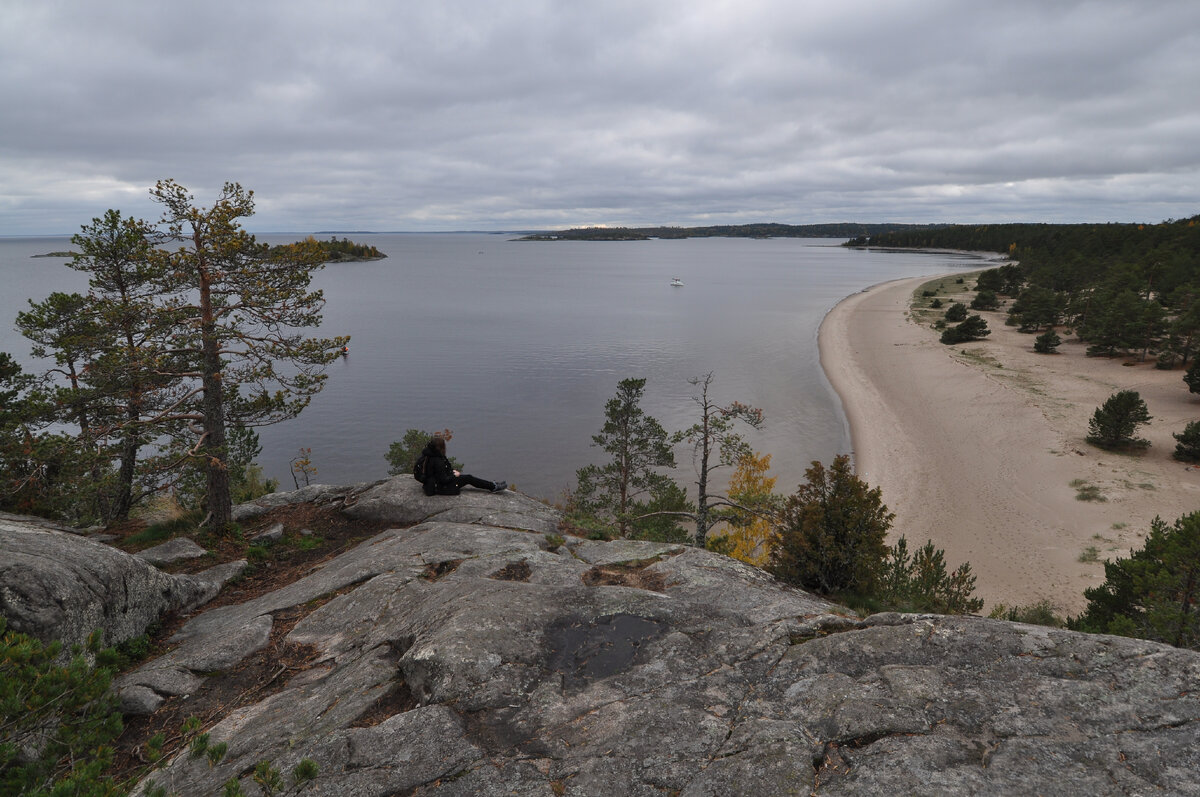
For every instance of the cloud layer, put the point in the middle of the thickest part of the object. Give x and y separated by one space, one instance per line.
525 114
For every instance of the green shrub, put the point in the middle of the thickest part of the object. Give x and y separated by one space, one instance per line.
1114 423
310 543
973 328
830 538
58 719
921 583
257 553
1047 342
1040 613
1192 377
956 312
985 300
1153 593
1187 445
1087 492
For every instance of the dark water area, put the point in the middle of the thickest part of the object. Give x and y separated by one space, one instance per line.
516 346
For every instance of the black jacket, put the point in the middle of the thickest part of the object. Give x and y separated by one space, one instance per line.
439 475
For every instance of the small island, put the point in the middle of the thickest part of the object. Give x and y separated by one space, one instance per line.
343 251
58 254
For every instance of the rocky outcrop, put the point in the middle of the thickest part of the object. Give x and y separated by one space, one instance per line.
463 658
316 494
171 551
55 585
401 501
467 656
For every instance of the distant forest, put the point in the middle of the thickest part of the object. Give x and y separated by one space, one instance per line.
838 230
1122 288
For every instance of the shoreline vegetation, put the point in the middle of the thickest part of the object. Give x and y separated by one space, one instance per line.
336 251
979 437
982 447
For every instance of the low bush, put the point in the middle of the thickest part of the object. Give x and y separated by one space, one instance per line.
1187 445
1114 423
985 300
1040 613
974 328
1047 342
956 312
59 720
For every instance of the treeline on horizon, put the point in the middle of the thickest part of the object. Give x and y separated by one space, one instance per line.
1021 241
833 230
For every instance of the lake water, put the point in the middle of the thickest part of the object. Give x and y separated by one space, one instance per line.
516 346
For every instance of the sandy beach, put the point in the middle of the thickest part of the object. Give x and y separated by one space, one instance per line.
981 447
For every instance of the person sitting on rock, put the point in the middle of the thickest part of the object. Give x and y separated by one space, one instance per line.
441 479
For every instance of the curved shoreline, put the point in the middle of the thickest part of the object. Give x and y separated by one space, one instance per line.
981 447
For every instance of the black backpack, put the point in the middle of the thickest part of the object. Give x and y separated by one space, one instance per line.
419 468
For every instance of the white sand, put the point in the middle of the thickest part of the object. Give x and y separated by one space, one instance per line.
975 446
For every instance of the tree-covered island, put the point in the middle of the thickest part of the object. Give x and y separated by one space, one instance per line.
335 251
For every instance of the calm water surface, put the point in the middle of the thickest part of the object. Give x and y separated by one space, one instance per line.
516 346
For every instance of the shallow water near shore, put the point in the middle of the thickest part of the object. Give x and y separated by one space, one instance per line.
516 346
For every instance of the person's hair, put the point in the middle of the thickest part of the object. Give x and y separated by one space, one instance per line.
439 444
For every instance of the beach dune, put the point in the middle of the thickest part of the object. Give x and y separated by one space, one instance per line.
980 447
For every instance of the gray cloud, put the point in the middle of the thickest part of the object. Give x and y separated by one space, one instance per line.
475 115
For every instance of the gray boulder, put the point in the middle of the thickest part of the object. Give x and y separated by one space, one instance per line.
60 586
272 534
171 551
316 494
400 500
457 658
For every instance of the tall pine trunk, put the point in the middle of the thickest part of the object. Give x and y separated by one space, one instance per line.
218 498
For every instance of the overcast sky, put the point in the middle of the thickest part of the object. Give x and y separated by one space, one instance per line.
432 115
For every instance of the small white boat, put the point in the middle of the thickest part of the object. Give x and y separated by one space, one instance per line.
676 282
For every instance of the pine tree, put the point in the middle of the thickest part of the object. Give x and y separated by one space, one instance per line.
1192 377
1154 593
831 536
1114 423
124 299
1187 443
240 311
637 445
1047 342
